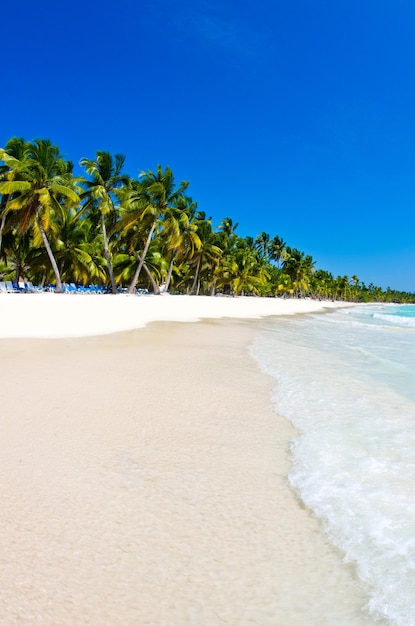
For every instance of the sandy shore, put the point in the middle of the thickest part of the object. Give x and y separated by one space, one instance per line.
50 315
143 482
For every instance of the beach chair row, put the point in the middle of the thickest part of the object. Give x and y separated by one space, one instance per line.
9 287
80 289
28 287
93 289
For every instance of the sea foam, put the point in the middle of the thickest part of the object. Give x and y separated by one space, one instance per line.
346 380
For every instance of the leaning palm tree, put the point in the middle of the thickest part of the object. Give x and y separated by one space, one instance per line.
106 179
207 253
179 234
148 201
40 187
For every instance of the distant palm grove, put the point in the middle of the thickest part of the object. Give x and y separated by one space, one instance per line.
106 228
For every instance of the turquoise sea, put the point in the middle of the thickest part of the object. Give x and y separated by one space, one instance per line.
346 380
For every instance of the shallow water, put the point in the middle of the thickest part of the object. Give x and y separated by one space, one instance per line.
346 380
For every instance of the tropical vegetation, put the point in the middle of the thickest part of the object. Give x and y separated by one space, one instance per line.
146 233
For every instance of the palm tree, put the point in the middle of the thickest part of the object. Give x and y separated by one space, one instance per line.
251 273
227 235
276 249
155 267
41 187
262 242
228 227
284 285
181 238
148 201
207 255
106 180
299 268
15 147
20 254
322 285
79 251
355 289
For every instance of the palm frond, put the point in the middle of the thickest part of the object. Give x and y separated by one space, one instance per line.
14 186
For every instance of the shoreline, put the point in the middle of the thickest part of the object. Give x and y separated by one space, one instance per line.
145 482
49 315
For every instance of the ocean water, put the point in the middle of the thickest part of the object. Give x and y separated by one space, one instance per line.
346 380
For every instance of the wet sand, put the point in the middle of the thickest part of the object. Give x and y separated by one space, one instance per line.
143 482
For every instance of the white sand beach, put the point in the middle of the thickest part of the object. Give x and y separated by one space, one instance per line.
143 473
48 315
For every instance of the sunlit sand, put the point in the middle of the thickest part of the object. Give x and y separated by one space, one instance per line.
52 315
143 474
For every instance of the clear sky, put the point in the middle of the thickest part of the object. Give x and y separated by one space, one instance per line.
293 117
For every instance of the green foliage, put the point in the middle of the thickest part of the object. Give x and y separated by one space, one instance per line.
112 229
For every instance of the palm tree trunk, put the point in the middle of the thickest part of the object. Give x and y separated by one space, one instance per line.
50 254
134 281
156 288
18 268
195 285
169 273
107 255
3 221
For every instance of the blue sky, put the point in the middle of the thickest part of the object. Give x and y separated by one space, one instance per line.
296 118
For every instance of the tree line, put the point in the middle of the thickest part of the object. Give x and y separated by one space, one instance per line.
108 228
